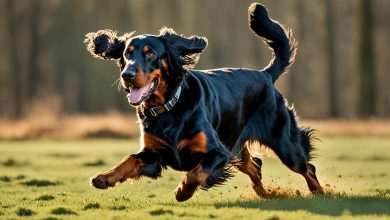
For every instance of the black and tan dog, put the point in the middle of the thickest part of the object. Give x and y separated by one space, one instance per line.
204 122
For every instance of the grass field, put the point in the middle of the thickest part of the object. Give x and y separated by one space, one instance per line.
49 180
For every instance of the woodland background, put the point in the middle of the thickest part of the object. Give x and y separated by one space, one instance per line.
341 70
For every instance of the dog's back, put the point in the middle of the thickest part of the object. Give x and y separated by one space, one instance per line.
232 96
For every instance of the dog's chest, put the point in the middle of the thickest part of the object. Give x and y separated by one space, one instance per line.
180 145
182 154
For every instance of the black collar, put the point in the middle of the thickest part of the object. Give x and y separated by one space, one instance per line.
168 106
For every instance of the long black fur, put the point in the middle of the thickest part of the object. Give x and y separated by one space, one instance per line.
232 106
184 51
280 40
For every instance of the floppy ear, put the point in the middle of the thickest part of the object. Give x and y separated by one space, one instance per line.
183 52
104 44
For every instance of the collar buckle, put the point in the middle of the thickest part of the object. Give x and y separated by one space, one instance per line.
153 112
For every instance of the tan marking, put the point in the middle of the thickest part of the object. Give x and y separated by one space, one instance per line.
190 183
145 49
127 168
139 80
314 185
248 167
196 176
160 91
166 67
131 49
153 142
196 144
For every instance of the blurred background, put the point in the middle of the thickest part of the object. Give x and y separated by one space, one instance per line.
48 78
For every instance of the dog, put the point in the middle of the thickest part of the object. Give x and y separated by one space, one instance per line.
205 122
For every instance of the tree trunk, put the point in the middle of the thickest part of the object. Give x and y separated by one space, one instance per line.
381 54
310 85
16 98
33 76
344 57
367 73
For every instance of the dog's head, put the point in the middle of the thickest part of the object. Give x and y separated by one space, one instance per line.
151 66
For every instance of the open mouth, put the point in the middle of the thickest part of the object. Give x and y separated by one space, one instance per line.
137 95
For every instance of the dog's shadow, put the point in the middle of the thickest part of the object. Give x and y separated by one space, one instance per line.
331 205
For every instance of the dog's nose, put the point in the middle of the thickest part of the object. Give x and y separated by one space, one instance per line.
128 75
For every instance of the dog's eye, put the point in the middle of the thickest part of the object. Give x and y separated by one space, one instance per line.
149 54
128 55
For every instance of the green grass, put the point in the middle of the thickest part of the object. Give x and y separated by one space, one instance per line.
50 180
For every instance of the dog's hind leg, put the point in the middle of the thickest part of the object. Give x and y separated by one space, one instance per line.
293 147
250 163
310 175
312 181
291 156
277 128
298 163
251 166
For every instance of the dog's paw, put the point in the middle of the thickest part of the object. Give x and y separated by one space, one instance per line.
102 181
184 192
260 191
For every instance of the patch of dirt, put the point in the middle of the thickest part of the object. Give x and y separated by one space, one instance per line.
274 191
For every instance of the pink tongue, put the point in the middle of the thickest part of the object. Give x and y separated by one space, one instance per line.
136 94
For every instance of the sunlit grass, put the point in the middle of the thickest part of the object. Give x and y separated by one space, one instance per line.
50 180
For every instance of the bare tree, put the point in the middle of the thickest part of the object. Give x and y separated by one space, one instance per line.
344 37
367 73
381 55
15 98
310 86
33 76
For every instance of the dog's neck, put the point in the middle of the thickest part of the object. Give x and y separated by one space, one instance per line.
168 106
144 112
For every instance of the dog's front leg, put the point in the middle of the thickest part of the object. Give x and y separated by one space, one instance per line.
197 176
145 163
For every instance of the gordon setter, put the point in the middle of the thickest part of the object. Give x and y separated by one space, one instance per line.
204 122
